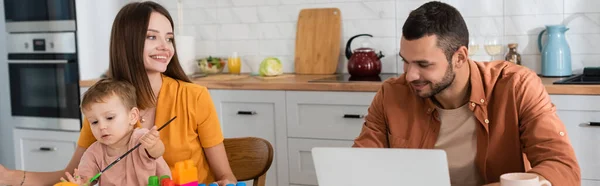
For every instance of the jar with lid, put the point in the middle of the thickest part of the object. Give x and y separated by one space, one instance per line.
512 55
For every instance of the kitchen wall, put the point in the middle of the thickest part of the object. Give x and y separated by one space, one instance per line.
6 135
260 28
94 23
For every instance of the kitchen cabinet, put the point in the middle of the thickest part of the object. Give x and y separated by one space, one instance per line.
296 121
258 114
326 115
43 150
576 112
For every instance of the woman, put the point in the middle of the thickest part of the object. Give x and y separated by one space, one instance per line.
142 52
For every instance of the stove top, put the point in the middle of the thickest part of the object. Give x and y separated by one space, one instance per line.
590 76
347 78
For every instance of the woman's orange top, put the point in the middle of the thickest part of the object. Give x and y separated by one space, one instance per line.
196 126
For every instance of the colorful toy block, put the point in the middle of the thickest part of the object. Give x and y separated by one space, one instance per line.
65 184
185 173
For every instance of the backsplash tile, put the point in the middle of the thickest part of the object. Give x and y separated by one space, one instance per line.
582 6
237 15
587 23
533 7
529 24
260 28
478 8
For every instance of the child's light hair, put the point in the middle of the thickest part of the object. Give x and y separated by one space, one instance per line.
107 87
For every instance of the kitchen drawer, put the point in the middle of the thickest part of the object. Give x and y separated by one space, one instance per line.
256 114
302 168
590 182
585 140
327 115
37 150
576 102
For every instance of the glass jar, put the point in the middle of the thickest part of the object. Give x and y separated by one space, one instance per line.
512 55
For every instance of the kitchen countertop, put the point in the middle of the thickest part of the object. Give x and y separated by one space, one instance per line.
301 83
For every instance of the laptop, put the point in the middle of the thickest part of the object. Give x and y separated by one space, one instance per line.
346 166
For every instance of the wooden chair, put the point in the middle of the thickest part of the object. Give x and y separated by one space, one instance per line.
249 158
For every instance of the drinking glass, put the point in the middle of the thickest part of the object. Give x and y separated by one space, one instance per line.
493 46
473 47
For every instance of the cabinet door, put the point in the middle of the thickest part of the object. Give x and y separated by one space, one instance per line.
327 115
257 114
585 139
576 112
590 182
37 150
302 168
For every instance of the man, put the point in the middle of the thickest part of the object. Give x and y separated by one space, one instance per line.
490 118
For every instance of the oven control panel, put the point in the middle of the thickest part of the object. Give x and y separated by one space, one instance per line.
41 43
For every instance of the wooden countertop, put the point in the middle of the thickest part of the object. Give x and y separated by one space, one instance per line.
302 83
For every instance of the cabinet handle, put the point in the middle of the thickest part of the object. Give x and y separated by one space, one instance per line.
595 123
246 113
353 116
47 148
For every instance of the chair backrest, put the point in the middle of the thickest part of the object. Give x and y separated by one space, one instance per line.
249 158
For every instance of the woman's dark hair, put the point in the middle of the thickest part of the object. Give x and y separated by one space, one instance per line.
126 50
439 19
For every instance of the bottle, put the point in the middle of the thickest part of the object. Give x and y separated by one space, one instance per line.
512 55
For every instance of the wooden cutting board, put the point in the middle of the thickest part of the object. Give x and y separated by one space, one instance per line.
318 37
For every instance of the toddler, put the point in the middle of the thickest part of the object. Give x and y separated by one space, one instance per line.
110 107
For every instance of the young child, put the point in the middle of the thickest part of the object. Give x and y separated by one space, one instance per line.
110 107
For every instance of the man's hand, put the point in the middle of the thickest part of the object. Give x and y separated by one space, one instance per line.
150 139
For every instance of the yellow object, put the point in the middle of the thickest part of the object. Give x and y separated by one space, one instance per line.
234 64
65 184
185 137
184 172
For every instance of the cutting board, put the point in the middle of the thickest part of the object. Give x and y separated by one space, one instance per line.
318 37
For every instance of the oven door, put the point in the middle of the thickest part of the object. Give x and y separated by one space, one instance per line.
45 94
39 15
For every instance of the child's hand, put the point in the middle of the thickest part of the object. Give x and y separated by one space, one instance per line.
76 178
150 139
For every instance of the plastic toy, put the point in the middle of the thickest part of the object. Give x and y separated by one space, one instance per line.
185 173
65 184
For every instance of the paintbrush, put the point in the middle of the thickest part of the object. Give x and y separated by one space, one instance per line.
123 156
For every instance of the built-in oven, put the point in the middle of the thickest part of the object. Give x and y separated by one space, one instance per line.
44 80
39 15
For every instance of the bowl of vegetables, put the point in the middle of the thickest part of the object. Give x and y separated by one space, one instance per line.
211 65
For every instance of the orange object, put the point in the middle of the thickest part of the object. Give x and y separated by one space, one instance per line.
234 64
65 184
185 172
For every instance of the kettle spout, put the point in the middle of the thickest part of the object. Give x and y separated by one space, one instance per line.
380 55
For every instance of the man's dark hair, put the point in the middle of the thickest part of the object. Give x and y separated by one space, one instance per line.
439 19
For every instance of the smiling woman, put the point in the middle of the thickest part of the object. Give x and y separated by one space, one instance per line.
143 53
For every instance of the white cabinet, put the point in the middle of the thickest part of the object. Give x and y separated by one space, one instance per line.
576 112
258 114
302 168
37 150
326 115
321 119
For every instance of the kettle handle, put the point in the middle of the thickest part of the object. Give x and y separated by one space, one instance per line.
348 44
540 39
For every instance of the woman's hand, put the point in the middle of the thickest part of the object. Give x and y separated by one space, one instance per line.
224 182
9 177
4 176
